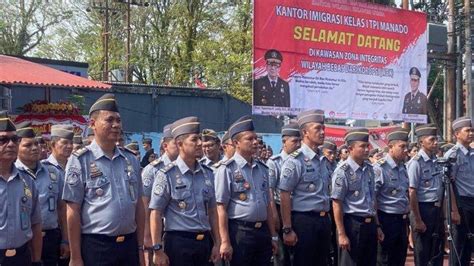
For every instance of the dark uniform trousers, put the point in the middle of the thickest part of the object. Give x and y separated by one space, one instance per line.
22 257
102 250
50 250
462 234
314 238
362 235
333 250
251 246
283 258
393 250
187 248
426 245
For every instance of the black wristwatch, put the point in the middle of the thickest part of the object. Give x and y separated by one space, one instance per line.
157 247
287 230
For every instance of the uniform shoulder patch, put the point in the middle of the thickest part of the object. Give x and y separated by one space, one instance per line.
167 168
156 162
80 152
295 153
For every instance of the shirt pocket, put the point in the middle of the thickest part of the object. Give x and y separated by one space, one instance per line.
182 199
98 190
354 188
426 178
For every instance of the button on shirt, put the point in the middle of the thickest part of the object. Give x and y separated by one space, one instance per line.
353 185
302 174
463 169
243 188
274 173
19 209
49 182
150 171
424 177
391 186
107 190
184 196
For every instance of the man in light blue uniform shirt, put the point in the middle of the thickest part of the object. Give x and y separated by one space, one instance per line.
20 213
354 203
463 174
243 201
211 148
49 182
103 191
61 146
183 194
304 189
291 140
148 177
426 190
391 188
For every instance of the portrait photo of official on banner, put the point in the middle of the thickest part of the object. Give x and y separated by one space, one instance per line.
354 60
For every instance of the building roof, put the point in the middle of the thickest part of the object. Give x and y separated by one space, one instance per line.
16 71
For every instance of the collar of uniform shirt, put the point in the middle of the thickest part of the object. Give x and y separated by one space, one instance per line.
284 155
308 152
20 165
424 155
183 168
355 166
14 173
241 162
390 161
98 152
462 148
414 94
273 80
53 161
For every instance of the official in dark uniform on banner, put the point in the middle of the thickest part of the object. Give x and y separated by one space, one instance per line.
271 90
415 100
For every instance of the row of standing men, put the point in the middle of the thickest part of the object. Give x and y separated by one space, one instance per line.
185 212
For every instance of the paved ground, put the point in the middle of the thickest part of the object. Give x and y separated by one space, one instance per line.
411 261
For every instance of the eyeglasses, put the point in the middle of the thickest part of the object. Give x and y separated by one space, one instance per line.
273 64
5 140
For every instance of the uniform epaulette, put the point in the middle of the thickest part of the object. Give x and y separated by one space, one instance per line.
227 162
129 150
262 163
80 152
452 153
156 162
381 161
344 166
167 168
295 153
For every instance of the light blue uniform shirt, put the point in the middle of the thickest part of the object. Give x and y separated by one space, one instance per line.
107 189
353 185
243 189
425 177
274 164
184 196
304 176
391 186
150 171
19 209
52 160
463 169
49 183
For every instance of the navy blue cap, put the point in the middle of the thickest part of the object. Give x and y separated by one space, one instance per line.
316 116
167 132
225 137
209 135
187 125
426 130
25 131
329 144
106 102
398 133
273 54
5 123
291 129
357 134
460 122
242 124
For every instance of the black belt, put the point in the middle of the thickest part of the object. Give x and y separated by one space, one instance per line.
361 219
255 225
191 235
11 252
117 239
431 204
312 213
399 215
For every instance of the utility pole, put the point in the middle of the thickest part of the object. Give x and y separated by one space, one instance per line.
450 96
127 52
